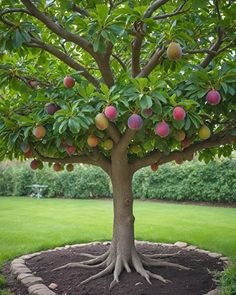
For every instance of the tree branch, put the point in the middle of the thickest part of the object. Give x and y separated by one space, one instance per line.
65 58
139 36
125 139
114 132
200 51
221 138
102 61
32 81
96 159
211 52
218 42
176 12
218 139
81 11
136 52
58 30
155 60
120 61
12 10
104 66
154 7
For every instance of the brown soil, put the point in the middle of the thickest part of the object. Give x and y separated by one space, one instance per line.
197 281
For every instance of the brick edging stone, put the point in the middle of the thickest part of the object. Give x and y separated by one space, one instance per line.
36 286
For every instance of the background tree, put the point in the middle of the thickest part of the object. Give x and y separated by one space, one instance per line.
144 84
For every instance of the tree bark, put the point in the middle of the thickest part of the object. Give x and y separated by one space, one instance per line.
122 253
123 224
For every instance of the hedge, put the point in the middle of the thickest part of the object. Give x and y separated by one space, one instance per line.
84 182
214 182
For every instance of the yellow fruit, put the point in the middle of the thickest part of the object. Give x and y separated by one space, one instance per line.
180 135
101 121
108 144
174 51
135 149
204 132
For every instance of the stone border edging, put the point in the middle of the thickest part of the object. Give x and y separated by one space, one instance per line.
36 286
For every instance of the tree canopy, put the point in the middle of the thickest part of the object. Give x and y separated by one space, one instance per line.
117 54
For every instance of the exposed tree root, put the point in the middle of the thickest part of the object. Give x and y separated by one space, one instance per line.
158 262
96 259
102 273
162 255
116 262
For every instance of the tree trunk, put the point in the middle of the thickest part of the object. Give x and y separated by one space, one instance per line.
122 253
123 224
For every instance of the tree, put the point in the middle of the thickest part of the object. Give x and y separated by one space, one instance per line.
166 67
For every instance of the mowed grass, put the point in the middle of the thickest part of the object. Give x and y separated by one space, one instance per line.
28 225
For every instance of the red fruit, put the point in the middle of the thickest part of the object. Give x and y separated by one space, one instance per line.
69 82
162 129
135 122
179 160
35 164
51 108
185 143
110 112
39 132
70 149
213 97
148 112
57 167
154 167
70 167
28 154
179 113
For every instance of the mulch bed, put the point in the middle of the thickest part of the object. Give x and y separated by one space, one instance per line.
197 281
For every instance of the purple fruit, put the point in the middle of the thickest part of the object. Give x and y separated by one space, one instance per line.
51 108
135 122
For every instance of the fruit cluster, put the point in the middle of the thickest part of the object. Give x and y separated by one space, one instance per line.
135 122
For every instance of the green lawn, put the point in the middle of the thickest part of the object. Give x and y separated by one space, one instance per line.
28 225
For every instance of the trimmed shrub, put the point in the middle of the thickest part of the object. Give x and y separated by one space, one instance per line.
84 182
195 181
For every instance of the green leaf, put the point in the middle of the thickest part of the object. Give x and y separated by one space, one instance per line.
178 124
102 12
17 39
157 107
74 125
172 99
104 89
96 43
160 96
187 123
146 102
63 127
224 86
